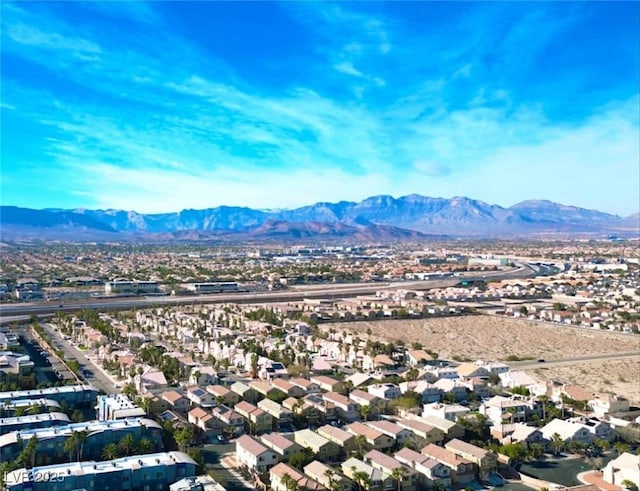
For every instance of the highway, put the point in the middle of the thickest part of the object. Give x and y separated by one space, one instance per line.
295 294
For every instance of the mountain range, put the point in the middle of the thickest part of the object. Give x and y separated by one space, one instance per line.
375 218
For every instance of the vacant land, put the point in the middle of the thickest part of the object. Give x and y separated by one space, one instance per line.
609 377
485 337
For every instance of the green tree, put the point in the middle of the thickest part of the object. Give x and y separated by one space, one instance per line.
289 482
557 443
183 437
110 451
365 412
397 475
127 445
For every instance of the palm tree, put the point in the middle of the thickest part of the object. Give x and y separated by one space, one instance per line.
557 442
397 475
361 441
127 445
81 437
332 484
365 411
290 483
110 452
145 446
361 478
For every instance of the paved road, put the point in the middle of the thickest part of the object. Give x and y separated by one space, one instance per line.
325 291
573 361
92 374
217 458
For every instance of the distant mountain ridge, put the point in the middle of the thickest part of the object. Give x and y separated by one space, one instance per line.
383 216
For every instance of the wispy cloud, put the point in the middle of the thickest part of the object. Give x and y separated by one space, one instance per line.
162 124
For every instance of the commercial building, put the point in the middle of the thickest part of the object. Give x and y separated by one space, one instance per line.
126 286
143 472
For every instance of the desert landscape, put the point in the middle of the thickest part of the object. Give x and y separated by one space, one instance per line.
610 377
493 338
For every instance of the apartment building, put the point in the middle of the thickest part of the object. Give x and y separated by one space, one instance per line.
77 396
140 472
50 446
117 406
33 421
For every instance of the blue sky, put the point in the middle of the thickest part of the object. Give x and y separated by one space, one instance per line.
163 106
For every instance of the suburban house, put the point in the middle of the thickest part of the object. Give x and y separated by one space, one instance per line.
280 444
345 440
430 434
374 439
347 409
567 430
375 403
501 409
307 385
176 401
200 397
302 408
447 411
230 421
259 420
279 483
254 456
379 480
201 419
450 428
328 384
288 388
278 412
462 469
385 391
329 478
625 467
486 461
398 433
388 464
246 393
223 395
429 470
325 450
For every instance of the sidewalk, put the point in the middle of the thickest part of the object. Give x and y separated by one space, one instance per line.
595 478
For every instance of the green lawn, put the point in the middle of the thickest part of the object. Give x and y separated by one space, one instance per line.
562 471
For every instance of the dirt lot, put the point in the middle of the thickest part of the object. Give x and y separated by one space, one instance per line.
495 338
487 337
610 377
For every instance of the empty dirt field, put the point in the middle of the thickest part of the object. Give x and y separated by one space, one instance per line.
610 377
493 338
